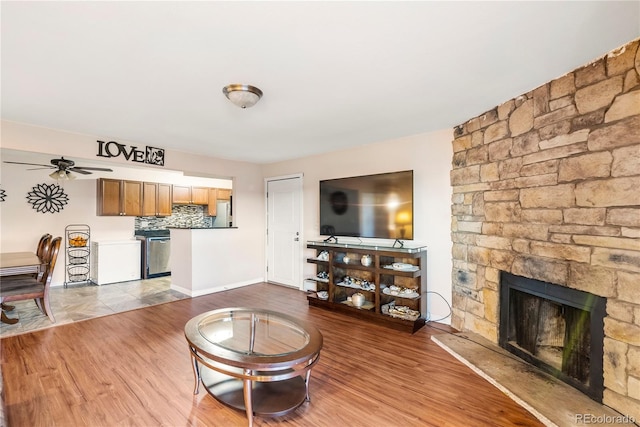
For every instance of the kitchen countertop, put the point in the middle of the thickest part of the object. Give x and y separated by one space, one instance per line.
199 228
167 231
151 233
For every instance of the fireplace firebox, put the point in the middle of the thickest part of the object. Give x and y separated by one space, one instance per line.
558 329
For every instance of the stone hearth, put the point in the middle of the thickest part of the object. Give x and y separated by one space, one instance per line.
530 387
547 186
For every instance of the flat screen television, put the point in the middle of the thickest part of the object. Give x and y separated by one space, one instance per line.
373 206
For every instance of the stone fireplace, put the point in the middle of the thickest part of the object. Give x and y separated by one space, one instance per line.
546 186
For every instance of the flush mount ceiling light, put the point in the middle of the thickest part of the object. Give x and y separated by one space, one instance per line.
244 96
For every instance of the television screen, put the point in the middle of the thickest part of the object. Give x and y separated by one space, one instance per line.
375 206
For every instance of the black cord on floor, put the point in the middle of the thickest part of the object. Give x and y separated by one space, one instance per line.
446 302
462 336
513 357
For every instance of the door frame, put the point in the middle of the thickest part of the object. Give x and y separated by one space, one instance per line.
299 176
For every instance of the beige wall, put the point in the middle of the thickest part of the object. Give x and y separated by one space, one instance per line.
21 225
429 156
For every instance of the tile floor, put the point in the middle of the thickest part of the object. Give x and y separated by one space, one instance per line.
81 302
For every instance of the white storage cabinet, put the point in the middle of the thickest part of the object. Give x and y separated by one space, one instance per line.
115 261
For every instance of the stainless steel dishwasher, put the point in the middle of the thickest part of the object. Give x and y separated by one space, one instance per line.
156 256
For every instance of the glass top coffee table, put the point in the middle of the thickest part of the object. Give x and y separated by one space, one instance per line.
254 360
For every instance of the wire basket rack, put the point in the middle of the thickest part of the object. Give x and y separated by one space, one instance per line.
78 256
78 273
77 253
78 239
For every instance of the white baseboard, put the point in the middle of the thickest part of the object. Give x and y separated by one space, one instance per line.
213 290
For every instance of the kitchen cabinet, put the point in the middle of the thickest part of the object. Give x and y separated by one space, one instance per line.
156 199
149 199
216 195
393 282
224 194
186 195
181 194
133 198
164 199
199 195
119 197
213 199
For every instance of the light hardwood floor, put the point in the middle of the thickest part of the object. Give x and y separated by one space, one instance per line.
133 368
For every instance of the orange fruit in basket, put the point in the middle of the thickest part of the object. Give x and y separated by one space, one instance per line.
77 241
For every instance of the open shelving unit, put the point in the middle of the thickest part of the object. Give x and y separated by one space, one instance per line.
77 254
394 296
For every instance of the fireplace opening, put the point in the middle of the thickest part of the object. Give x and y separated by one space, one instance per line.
557 329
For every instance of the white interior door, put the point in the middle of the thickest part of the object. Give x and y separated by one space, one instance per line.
284 240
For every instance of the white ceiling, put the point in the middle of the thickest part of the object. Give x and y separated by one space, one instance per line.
334 74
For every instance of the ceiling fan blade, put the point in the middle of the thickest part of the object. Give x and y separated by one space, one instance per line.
91 168
79 170
32 164
39 169
63 164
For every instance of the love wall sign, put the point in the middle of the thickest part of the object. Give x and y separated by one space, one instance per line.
150 155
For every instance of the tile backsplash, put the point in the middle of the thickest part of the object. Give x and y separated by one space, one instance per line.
181 216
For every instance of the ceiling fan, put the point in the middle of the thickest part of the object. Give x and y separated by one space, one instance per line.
63 167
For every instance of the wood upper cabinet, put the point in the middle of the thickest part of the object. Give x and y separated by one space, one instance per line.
199 195
216 194
186 195
119 197
149 199
134 198
213 198
224 194
164 199
131 198
156 199
108 197
181 194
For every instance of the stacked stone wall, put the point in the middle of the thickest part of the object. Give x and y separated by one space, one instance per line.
547 186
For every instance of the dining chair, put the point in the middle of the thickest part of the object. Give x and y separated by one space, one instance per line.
14 288
43 249
43 244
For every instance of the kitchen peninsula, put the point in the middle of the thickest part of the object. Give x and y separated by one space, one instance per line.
207 260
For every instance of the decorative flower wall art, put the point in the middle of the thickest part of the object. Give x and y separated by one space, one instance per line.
47 198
